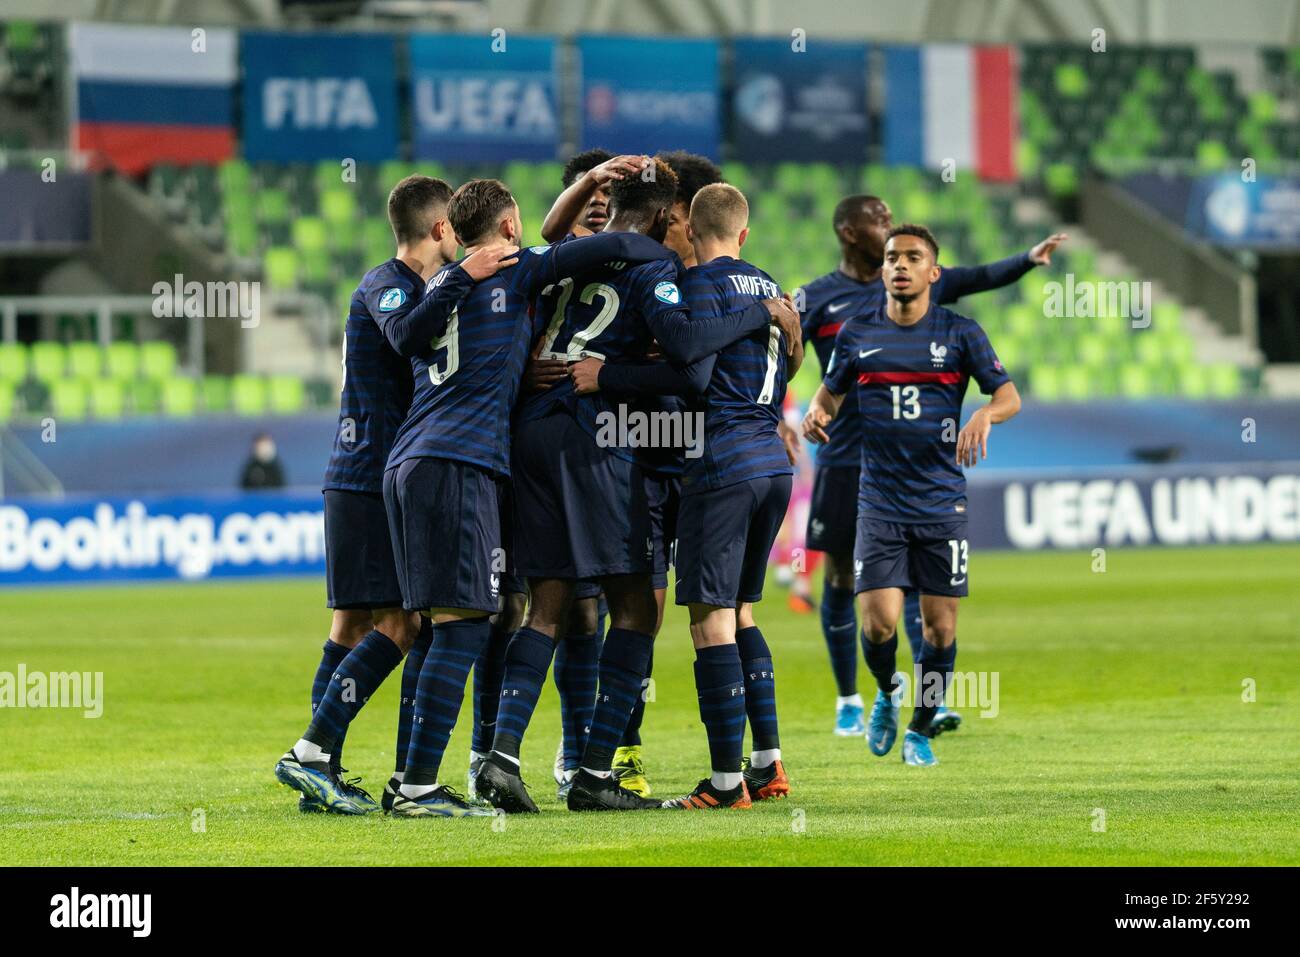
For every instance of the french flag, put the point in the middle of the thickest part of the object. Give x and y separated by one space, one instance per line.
146 95
952 102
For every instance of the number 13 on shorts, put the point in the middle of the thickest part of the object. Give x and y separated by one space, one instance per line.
958 548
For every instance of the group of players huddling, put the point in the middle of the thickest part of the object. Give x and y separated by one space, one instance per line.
482 515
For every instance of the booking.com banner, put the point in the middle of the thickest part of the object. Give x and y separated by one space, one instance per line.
161 538
319 96
484 99
792 104
644 96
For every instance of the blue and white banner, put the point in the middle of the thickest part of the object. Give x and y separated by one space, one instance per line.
646 96
1152 505
161 538
1262 214
479 100
806 106
319 96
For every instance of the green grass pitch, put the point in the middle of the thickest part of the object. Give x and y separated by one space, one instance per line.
1121 703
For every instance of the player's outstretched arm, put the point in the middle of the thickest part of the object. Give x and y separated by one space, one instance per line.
409 332
823 408
653 378
957 281
685 340
577 256
568 206
973 440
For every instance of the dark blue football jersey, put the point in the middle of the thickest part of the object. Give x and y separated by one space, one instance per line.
605 313
742 403
834 299
376 380
909 382
466 379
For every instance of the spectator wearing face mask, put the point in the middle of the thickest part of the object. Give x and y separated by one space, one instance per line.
263 468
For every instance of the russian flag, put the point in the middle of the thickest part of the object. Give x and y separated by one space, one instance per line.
952 102
146 95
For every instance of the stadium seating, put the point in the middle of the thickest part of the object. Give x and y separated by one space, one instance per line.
1131 105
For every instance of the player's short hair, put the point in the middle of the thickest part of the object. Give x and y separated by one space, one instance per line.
414 205
477 206
644 194
849 206
719 211
581 163
694 172
920 232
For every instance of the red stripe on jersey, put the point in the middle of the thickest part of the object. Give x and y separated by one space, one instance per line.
827 330
908 378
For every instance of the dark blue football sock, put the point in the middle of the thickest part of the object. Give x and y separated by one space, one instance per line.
623 664
720 683
632 733
410 683
840 629
355 679
528 657
760 687
331 657
577 670
912 621
935 664
456 645
488 672
881 661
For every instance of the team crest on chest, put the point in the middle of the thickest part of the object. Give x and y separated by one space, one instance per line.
938 354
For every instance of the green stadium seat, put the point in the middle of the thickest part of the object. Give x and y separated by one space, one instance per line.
310 234
281 265
1193 381
216 393
1136 381
107 398
321 394
286 395
85 360
235 176
1061 179
241 235
13 362
273 206
123 360
145 396
1045 382
737 174
1225 380
338 206
1076 383
180 396
248 395
69 399
1212 156
317 267
1071 81
8 400
157 359
49 360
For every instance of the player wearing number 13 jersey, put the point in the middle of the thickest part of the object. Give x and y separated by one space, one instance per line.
909 365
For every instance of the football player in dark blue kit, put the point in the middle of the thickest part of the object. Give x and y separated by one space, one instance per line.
580 509
908 365
360 573
854 289
468 344
661 468
734 498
